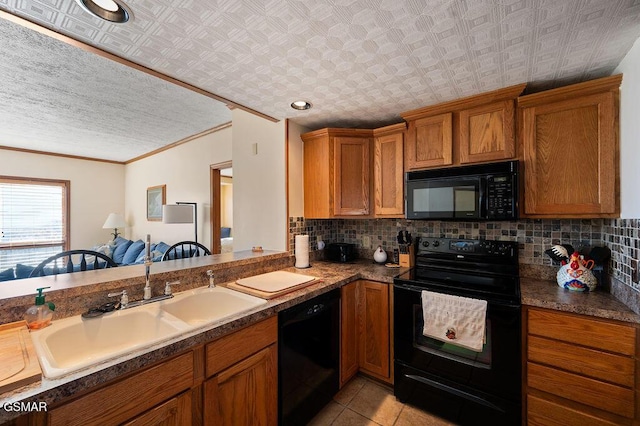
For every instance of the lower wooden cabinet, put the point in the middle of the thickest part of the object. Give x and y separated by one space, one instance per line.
131 397
245 393
366 330
175 412
579 370
374 328
348 332
243 388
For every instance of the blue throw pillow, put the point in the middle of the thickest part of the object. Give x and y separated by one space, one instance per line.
7 275
23 271
140 258
132 252
120 250
162 247
119 241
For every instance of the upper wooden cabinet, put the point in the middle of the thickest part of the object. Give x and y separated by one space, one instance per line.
337 173
430 142
487 132
475 129
570 153
388 171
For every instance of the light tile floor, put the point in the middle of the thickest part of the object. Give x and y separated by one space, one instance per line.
363 402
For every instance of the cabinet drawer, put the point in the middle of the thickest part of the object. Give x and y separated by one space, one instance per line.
234 347
129 397
547 413
613 368
605 396
606 335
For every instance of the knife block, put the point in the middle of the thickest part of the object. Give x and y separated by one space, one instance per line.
406 259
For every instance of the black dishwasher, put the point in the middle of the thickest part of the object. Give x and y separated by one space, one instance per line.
308 357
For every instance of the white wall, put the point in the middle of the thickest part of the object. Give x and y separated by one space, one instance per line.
226 202
630 133
296 169
185 170
259 202
97 189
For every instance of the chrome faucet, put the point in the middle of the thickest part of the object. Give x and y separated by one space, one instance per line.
124 298
210 275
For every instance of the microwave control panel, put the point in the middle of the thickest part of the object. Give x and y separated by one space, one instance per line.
501 197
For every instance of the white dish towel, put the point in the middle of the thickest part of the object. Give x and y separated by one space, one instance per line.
454 319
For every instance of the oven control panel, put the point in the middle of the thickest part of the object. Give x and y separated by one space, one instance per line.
462 246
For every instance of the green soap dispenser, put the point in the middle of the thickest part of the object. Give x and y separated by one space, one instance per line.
39 315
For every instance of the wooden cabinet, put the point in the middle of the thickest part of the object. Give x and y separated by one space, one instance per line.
475 129
175 412
366 331
243 371
487 132
388 171
430 141
374 328
351 176
337 173
570 153
349 332
579 370
135 396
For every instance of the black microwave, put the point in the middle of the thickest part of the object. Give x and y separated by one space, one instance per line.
477 192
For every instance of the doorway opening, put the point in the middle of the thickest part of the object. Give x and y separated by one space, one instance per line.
221 208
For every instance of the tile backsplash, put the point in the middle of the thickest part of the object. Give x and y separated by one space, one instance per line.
621 236
533 235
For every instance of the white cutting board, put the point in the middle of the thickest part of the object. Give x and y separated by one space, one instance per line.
273 282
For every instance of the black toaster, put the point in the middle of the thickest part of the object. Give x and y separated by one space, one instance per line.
340 252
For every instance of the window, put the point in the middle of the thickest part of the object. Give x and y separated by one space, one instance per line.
34 220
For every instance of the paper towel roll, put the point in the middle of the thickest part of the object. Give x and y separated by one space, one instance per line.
302 251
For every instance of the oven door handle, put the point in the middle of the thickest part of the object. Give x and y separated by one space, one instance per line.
419 289
454 391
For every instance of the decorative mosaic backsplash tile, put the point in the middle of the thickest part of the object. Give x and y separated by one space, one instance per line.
622 236
534 235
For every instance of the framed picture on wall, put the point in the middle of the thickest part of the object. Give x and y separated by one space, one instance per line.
156 197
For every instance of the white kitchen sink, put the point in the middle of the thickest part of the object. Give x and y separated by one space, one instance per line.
205 305
75 343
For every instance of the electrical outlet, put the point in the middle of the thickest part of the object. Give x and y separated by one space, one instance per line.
366 241
634 270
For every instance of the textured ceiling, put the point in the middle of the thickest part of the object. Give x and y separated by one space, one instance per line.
55 97
360 62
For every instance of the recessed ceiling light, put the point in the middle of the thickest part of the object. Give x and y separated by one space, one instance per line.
110 10
301 105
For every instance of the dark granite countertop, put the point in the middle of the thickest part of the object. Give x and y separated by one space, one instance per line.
598 303
535 292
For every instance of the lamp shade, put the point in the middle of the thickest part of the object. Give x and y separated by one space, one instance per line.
114 220
175 213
